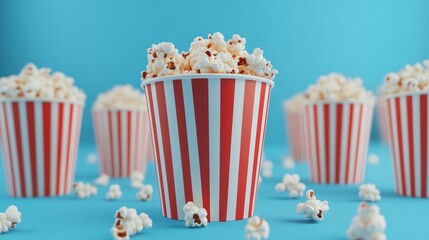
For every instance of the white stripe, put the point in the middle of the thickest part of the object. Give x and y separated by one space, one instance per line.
405 144
361 154
115 135
107 148
73 148
192 141
175 148
161 151
64 144
124 142
25 147
147 140
140 157
39 148
417 144
332 140
54 146
96 119
344 141
235 148
14 149
353 142
5 150
395 149
132 143
302 136
252 144
321 140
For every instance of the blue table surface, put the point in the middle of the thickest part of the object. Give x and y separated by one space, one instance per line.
68 217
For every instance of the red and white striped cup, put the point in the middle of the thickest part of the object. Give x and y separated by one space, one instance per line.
296 132
381 114
338 137
123 141
208 134
39 140
408 138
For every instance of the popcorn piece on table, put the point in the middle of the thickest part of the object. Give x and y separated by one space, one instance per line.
288 162
119 232
145 193
137 179
291 183
312 208
91 158
84 190
369 193
194 216
257 229
5 224
367 224
9 219
102 180
373 159
267 168
131 221
114 192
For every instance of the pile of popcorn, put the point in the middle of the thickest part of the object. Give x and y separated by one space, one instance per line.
312 208
121 97
368 224
291 183
9 219
129 223
257 229
114 192
295 103
412 78
195 216
32 83
211 55
337 87
369 193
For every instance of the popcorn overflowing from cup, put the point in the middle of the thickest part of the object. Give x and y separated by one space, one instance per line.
114 192
296 103
84 190
9 219
367 224
369 193
291 184
312 208
195 216
120 97
129 223
257 229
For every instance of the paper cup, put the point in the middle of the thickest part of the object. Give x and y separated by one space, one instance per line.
338 138
408 134
381 114
123 141
39 140
208 134
296 132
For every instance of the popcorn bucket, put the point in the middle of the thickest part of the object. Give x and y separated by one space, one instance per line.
408 138
296 132
338 137
123 141
382 120
208 135
39 140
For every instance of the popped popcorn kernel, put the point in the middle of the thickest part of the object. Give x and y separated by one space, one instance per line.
195 216
9 219
257 228
369 193
102 180
373 159
411 78
145 193
84 190
312 208
367 224
114 192
291 184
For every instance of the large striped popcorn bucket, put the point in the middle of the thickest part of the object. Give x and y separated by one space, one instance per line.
295 129
381 116
408 139
338 137
208 135
123 140
39 140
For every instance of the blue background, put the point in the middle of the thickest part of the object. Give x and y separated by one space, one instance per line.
103 42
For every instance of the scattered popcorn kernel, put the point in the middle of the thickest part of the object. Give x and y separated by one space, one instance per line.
102 180
114 192
312 208
373 159
257 228
84 190
291 183
145 193
367 224
369 193
194 216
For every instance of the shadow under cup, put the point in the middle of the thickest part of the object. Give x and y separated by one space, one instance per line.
208 135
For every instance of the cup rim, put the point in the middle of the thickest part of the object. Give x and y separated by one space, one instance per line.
205 75
37 100
404 94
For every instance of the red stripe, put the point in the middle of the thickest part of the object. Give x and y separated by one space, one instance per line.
392 145
136 148
355 169
69 145
183 139
327 143
200 90
9 150
155 139
111 157
46 113
15 108
32 146
310 143
349 144
76 145
129 142
401 147
411 142
424 142
316 126
227 89
165 133
246 129
339 122
118 117
59 139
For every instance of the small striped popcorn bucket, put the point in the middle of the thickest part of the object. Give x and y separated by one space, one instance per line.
123 140
296 132
338 137
381 116
408 138
39 140
208 135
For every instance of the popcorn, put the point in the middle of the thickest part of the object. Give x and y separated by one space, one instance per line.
257 228
121 97
91 158
145 193
131 221
373 159
84 190
288 162
267 168
119 232
102 180
114 192
412 78
369 193
194 216
368 224
312 208
137 179
291 183
9 219
295 103
337 87
40 84
259 180
211 55
5 224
